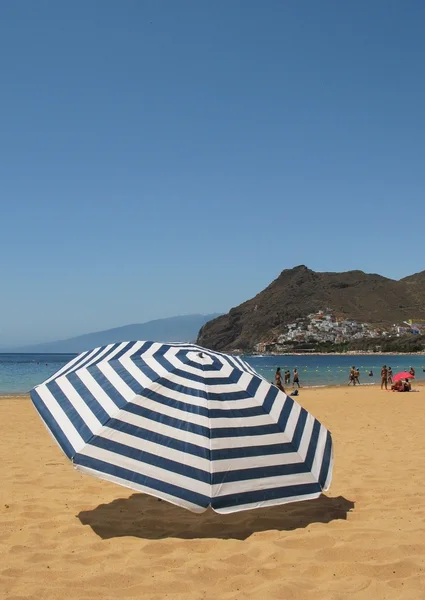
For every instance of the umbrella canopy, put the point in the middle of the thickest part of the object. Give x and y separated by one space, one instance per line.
403 375
188 425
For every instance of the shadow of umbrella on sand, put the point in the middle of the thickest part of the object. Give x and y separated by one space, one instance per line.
146 517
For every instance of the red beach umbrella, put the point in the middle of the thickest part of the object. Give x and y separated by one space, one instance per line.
403 375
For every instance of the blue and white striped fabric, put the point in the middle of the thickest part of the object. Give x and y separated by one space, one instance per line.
194 427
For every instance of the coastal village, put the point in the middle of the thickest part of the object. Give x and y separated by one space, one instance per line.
324 326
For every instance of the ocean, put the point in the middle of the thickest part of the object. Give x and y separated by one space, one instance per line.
21 372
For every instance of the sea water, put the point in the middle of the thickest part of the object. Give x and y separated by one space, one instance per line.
21 372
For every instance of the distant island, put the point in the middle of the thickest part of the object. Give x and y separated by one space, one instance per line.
173 329
307 311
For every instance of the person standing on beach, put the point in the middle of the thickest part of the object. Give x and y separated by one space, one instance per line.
412 371
296 379
351 377
278 379
287 377
384 377
390 375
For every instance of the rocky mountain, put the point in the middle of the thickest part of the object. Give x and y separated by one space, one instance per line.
297 292
173 329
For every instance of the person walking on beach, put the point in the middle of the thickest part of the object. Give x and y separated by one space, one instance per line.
356 376
390 375
384 377
351 377
296 379
278 379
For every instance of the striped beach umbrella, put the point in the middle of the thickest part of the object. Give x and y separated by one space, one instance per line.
195 427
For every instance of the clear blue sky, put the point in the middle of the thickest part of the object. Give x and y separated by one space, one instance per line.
169 157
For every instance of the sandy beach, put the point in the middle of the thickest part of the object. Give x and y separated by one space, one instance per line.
67 535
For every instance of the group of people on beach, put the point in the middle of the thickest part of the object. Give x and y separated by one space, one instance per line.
386 378
396 386
287 378
353 379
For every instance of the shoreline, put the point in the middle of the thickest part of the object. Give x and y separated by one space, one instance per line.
420 383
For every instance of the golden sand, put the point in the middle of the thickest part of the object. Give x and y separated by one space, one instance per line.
69 536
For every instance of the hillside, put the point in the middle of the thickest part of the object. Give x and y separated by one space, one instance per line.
416 285
297 292
174 329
